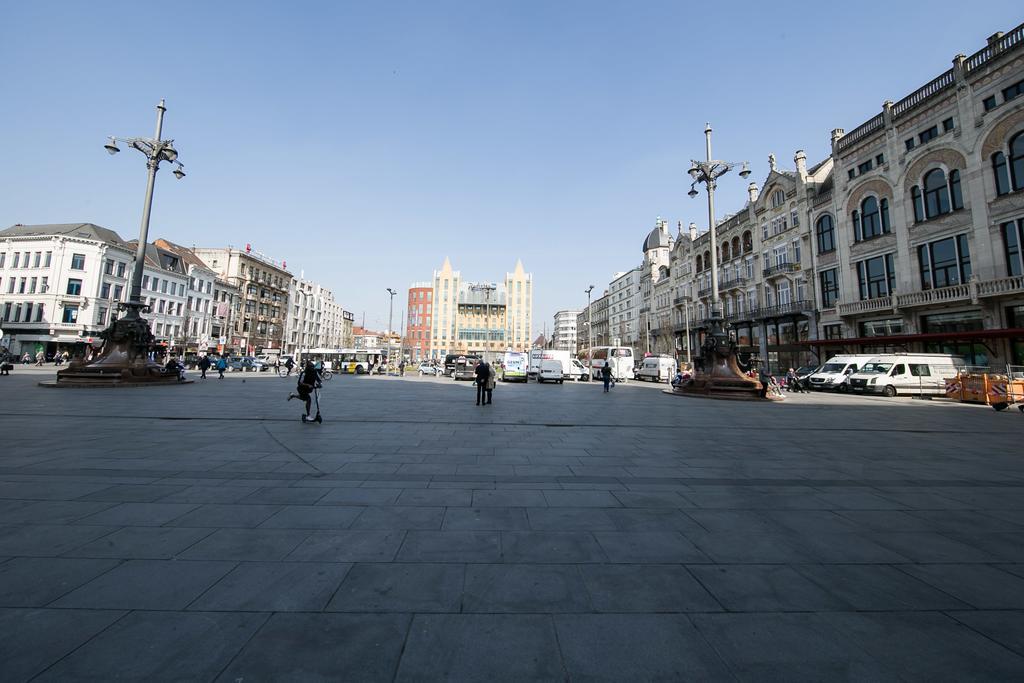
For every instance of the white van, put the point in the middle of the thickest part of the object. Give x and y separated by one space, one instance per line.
561 369
906 373
657 369
835 373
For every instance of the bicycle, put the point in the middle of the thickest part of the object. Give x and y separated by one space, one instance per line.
326 375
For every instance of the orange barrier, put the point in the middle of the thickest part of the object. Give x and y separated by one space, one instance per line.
984 388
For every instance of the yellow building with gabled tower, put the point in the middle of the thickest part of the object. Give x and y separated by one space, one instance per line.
486 318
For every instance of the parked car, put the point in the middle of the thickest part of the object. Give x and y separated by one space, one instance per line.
428 369
246 364
906 373
835 374
465 367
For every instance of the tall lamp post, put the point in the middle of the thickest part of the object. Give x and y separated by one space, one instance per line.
391 311
720 376
124 358
590 332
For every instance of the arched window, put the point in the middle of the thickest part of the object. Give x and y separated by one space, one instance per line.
884 210
857 235
1017 161
698 264
825 230
915 195
936 194
736 247
725 251
707 260
748 242
1001 173
956 197
870 218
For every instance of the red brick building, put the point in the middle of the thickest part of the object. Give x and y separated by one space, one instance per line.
418 318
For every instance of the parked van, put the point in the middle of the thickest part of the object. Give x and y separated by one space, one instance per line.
835 373
561 369
906 373
657 369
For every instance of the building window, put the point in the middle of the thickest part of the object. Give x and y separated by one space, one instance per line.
834 331
910 143
1013 237
778 198
78 262
74 287
1017 161
108 266
46 259
956 196
928 134
70 314
829 287
36 258
105 290
16 260
879 159
1001 173
117 292
865 167
39 313
872 220
876 276
825 230
936 194
945 262
989 103
881 328
1013 91
120 268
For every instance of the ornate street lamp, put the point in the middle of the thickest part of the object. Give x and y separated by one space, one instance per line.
720 376
124 358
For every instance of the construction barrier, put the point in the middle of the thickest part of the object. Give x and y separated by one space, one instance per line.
986 388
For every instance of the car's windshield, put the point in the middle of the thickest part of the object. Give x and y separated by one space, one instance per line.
832 367
876 368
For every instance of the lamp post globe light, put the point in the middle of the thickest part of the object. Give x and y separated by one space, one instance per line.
720 375
124 358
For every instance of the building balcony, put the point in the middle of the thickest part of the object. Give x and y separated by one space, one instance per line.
882 303
792 308
780 269
1001 286
940 295
736 281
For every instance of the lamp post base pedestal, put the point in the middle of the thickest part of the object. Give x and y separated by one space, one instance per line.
721 376
123 360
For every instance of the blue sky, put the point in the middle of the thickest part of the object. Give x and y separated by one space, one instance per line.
364 142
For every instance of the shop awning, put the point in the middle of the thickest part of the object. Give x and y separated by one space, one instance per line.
1006 333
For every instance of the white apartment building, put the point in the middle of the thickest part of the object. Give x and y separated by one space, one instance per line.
58 284
624 308
200 306
315 320
164 289
565 331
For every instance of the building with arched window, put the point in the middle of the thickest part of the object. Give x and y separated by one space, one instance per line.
919 247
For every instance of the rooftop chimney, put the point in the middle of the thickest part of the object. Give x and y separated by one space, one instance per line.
693 232
801 163
753 192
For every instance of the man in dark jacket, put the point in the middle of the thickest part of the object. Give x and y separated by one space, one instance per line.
204 365
482 372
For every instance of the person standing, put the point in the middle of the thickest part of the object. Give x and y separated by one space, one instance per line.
766 380
6 359
793 382
401 367
492 380
606 376
222 365
482 373
204 365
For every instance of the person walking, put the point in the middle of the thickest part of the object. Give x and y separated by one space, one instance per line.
40 357
606 376
204 365
482 373
26 359
222 365
289 364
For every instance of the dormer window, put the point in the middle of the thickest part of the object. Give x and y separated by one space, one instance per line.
778 198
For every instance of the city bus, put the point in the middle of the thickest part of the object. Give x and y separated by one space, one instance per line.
619 357
360 361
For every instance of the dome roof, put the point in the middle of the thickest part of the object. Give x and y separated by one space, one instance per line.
657 239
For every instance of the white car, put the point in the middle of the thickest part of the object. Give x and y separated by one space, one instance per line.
428 369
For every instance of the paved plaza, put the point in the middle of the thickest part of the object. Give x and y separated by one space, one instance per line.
201 532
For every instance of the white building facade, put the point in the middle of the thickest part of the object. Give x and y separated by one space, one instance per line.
564 336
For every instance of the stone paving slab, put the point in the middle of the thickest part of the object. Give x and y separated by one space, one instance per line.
414 536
